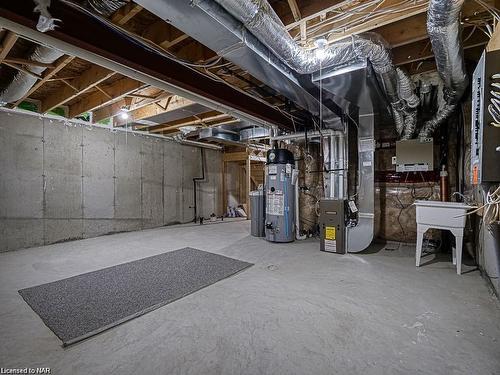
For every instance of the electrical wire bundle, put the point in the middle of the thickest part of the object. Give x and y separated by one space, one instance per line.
494 107
491 207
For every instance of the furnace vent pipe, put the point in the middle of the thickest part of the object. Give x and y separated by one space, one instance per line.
443 27
24 81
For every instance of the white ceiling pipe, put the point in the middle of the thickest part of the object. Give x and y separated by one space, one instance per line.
302 135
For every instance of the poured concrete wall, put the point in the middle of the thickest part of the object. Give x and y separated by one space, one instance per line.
62 181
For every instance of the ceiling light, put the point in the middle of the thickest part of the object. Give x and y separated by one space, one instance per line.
124 115
321 44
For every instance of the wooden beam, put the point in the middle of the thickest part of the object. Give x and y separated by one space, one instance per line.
429 65
111 110
22 69
422 50
88 79
235 156
316 10
216 120
153 109
164 35
49 74
414 28
404 31
125 14
7 43
295 10
378 22
113 92
191 120
15 60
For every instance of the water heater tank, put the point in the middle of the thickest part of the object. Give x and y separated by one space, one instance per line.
280 196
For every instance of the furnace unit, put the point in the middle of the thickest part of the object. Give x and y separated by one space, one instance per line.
332 225
280 196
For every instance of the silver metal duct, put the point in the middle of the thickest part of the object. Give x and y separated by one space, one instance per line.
23 81
443 27
406 91
261 20
211 25
105 7
359 237
220 135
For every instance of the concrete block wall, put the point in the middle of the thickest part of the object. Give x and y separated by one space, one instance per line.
61 180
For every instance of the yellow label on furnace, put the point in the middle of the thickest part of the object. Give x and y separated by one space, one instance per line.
329 233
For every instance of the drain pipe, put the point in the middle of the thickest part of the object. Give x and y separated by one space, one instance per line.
195 184
302 135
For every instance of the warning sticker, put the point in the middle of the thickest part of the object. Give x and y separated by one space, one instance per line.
275 204
330 233
331 246
475 175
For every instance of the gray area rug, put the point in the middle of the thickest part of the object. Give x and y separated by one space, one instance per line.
82 306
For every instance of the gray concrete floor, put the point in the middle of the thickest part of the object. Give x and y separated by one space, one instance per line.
297 311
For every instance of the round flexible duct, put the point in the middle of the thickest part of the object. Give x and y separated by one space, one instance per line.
261 20
443 27
23 81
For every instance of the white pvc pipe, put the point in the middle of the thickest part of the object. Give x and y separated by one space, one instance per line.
314 134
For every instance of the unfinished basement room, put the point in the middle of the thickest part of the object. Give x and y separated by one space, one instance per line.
225 187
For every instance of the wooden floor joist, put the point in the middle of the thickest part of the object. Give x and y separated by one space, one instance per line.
104 96
168 104
61 63
7 43
88 79
111 110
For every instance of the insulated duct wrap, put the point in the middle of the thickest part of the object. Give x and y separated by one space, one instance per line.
406 92
105 7
444 29
23 81
261 20
258 17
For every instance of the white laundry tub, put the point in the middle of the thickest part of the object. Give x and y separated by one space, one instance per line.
437 213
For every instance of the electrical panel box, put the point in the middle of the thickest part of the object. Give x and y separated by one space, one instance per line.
332 225
485 137
414 155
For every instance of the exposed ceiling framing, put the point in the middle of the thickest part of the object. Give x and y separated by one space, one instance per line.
81 87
